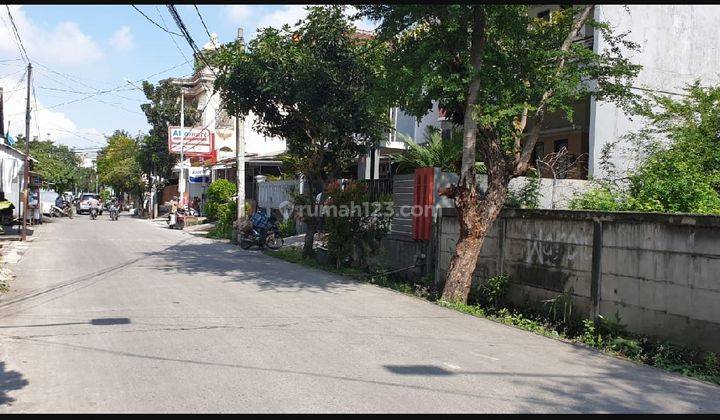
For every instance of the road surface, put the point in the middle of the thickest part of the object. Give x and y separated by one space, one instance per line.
127 316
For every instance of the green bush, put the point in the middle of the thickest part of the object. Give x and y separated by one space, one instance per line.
527 196
287 228
353 235
599 198
219 196
490 294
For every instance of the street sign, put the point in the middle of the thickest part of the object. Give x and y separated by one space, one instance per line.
198 142
198 174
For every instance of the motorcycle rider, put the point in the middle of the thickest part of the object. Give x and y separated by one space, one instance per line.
113 207
94 204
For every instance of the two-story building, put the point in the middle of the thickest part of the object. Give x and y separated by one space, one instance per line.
260 151
678 44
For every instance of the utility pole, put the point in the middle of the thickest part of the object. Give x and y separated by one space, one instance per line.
240 154
26 174
181 182
2 115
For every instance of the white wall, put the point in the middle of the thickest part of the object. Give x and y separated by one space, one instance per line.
679 43
256 142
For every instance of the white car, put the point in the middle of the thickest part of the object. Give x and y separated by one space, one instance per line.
83 205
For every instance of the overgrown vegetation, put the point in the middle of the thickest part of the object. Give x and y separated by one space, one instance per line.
221 207
681 160
287 228
354 231
527 196
552 318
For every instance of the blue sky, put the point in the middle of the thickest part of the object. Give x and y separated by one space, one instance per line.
96 47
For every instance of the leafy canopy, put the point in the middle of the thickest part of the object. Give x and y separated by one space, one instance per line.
117 165
313 85
162 110
57 164
429 59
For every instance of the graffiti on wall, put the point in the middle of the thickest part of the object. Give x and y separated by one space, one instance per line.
545 250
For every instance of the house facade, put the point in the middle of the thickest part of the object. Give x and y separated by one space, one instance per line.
213 117
678 44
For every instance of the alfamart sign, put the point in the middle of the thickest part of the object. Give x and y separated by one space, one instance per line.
198 141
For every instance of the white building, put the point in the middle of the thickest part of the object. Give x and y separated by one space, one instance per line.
215 118
678 44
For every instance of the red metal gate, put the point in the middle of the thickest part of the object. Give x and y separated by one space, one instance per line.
424 199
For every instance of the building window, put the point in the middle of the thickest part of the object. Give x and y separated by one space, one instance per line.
537 155
563 162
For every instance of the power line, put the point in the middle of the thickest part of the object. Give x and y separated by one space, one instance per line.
155 23
188 37
172 38
17 34
37 124
77 91
17 87
203 22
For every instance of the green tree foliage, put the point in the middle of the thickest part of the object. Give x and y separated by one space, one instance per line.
497 70
219 195
86 179
57 164
434 152
117 164
681 167
162 110
313 85
353 234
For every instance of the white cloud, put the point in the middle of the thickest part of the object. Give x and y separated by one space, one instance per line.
61 128
253 17
64 45
238 12
122 39
289 14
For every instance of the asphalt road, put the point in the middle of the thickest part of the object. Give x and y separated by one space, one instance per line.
129 317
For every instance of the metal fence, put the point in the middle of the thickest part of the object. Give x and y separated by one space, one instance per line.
378 187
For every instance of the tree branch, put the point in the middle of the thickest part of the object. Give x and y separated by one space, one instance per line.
470 127
521 164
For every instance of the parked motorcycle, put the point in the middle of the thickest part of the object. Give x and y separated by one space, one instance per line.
93 213
252 236
65 210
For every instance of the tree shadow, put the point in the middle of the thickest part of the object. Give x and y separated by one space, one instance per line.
245 266
10 380
621 386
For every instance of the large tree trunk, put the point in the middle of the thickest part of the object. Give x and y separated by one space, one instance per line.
462 265
475 217
312 220
311 224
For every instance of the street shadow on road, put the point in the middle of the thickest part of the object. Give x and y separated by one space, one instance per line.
238 265
10 380
614 385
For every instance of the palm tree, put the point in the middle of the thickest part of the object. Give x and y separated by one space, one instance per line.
435 152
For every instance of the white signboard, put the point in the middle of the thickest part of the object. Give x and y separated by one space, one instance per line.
197 142
198 174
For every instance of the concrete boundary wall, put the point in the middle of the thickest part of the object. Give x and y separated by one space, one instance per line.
659 272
